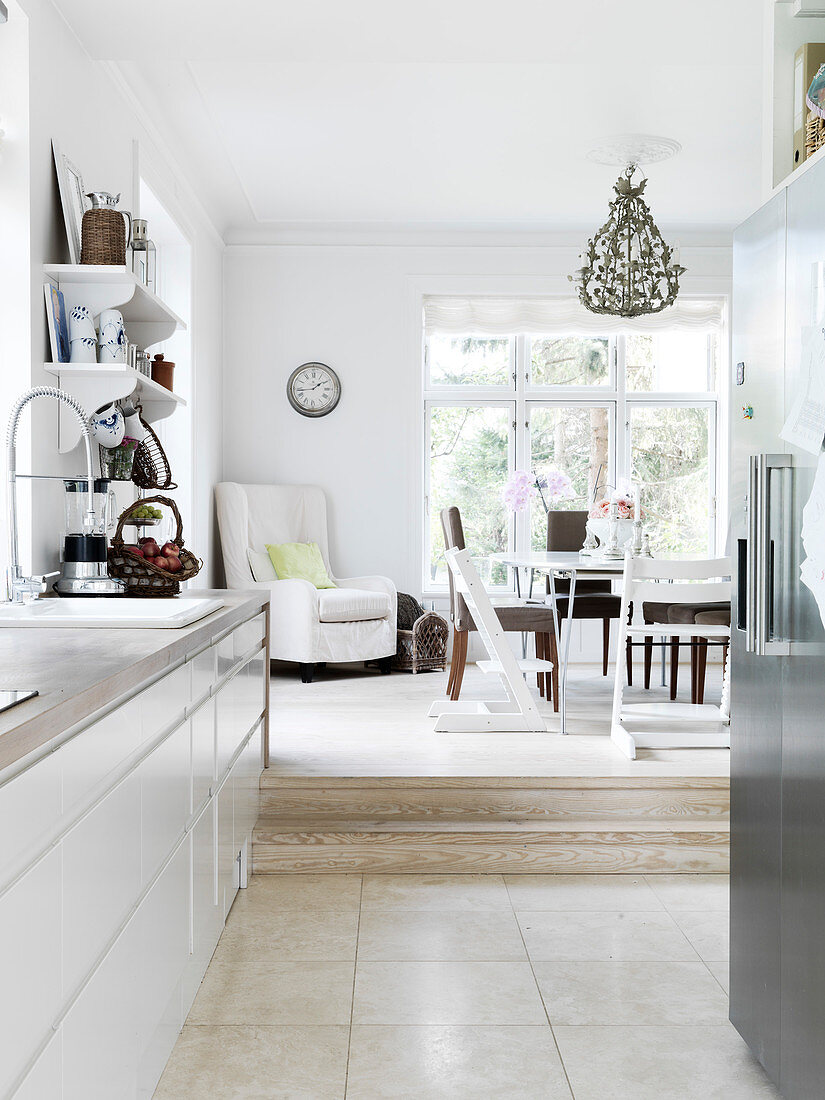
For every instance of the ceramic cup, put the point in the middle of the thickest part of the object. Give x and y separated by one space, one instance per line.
81 324
112 337
107 426
134 428
83 350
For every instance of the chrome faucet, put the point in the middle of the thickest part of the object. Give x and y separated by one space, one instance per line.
20 588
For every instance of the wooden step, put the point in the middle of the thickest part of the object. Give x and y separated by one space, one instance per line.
420 798
479 845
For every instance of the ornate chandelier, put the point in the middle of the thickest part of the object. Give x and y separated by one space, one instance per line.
627 268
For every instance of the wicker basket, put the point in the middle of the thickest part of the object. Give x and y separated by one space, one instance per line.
151 469
814 134
103 237
141 577
424 648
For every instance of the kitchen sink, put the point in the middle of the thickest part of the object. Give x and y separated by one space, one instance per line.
109 612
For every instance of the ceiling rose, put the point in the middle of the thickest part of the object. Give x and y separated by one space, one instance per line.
624 149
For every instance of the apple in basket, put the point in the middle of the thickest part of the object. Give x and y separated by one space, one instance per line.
136 550
170 550
149 547
173 564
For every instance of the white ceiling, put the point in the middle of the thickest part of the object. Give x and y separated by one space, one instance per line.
456 113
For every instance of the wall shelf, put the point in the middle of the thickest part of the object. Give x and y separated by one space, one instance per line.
97 384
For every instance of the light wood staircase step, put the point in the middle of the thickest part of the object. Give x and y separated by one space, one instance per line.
374 844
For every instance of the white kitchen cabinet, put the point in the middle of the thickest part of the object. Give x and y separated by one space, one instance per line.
227 852
203 753
45 1079
101 878
30 957
165 795
118 865
30 809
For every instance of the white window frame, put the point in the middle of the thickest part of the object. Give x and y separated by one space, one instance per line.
524 395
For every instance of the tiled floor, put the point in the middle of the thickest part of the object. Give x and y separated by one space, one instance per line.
468 987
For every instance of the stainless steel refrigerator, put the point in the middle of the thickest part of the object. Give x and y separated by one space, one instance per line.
777 994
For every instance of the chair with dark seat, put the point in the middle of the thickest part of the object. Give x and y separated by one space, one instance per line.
514 617
660 614
593 599
707 614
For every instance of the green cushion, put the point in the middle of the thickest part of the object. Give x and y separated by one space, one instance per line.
300 561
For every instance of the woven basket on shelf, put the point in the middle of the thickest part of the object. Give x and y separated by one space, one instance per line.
424 647
814 134
151 469
141 577
103 237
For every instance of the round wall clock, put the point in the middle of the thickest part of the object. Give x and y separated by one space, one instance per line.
313 389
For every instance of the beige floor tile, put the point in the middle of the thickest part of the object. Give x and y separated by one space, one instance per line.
421 935
446 993
289 935
627 936
720 969
257 1063
706 892
447 892
238 991
455 1063
581 893
586 992
709 933
271 893
661 1063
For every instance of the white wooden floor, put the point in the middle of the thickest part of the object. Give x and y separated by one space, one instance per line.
354 722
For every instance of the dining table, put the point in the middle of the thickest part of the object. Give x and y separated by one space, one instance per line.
557 565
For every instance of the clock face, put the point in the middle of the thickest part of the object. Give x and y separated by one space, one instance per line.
313 389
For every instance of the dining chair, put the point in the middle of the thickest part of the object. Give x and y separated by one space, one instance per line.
514 617
684 583
566 532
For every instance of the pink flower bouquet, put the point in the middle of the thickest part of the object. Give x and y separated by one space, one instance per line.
519 491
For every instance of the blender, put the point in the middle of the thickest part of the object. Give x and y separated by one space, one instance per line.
84 569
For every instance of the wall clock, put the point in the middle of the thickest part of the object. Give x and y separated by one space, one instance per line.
313 389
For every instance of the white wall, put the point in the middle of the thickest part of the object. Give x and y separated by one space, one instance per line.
79 103
358 309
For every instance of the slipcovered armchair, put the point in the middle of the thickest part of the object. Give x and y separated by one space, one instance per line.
355 621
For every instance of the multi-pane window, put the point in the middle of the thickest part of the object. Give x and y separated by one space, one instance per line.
605 411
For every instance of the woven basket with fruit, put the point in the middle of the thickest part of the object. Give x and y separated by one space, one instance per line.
147 568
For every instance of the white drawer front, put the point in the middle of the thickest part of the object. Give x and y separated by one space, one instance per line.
246 777
163 704
207 919
203 752
165 795
101 873
227 876
30 809
204 668
30 965
45 1079
95 753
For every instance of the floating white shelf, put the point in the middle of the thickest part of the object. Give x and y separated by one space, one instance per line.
148 321
97 384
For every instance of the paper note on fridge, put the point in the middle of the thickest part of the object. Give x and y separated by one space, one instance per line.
805 427
812 570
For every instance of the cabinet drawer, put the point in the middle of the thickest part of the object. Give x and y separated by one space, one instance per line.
239 642
30 809
30 965
45 1078
163 704
204 668
94 754
165 795
207 919
227 851
101 870
246 779
202 724
239 704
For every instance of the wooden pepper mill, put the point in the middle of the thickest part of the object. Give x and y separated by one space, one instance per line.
162 371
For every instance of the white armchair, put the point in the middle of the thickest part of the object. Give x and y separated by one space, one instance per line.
353 622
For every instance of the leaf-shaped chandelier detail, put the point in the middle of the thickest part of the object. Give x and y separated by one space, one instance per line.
628 270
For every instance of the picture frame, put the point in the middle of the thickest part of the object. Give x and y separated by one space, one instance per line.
72 200
58 324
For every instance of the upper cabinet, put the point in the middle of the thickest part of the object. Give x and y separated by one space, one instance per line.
148 321
790 24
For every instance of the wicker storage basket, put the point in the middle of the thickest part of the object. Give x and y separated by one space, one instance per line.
814 134
141 577
424 648
151 469
103 237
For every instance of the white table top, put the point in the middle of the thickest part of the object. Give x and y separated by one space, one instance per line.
546 561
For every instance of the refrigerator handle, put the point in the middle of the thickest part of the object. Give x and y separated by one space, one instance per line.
751 584
761 550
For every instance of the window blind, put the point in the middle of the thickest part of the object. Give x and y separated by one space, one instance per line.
490 316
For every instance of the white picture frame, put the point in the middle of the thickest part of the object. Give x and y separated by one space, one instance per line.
72 200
